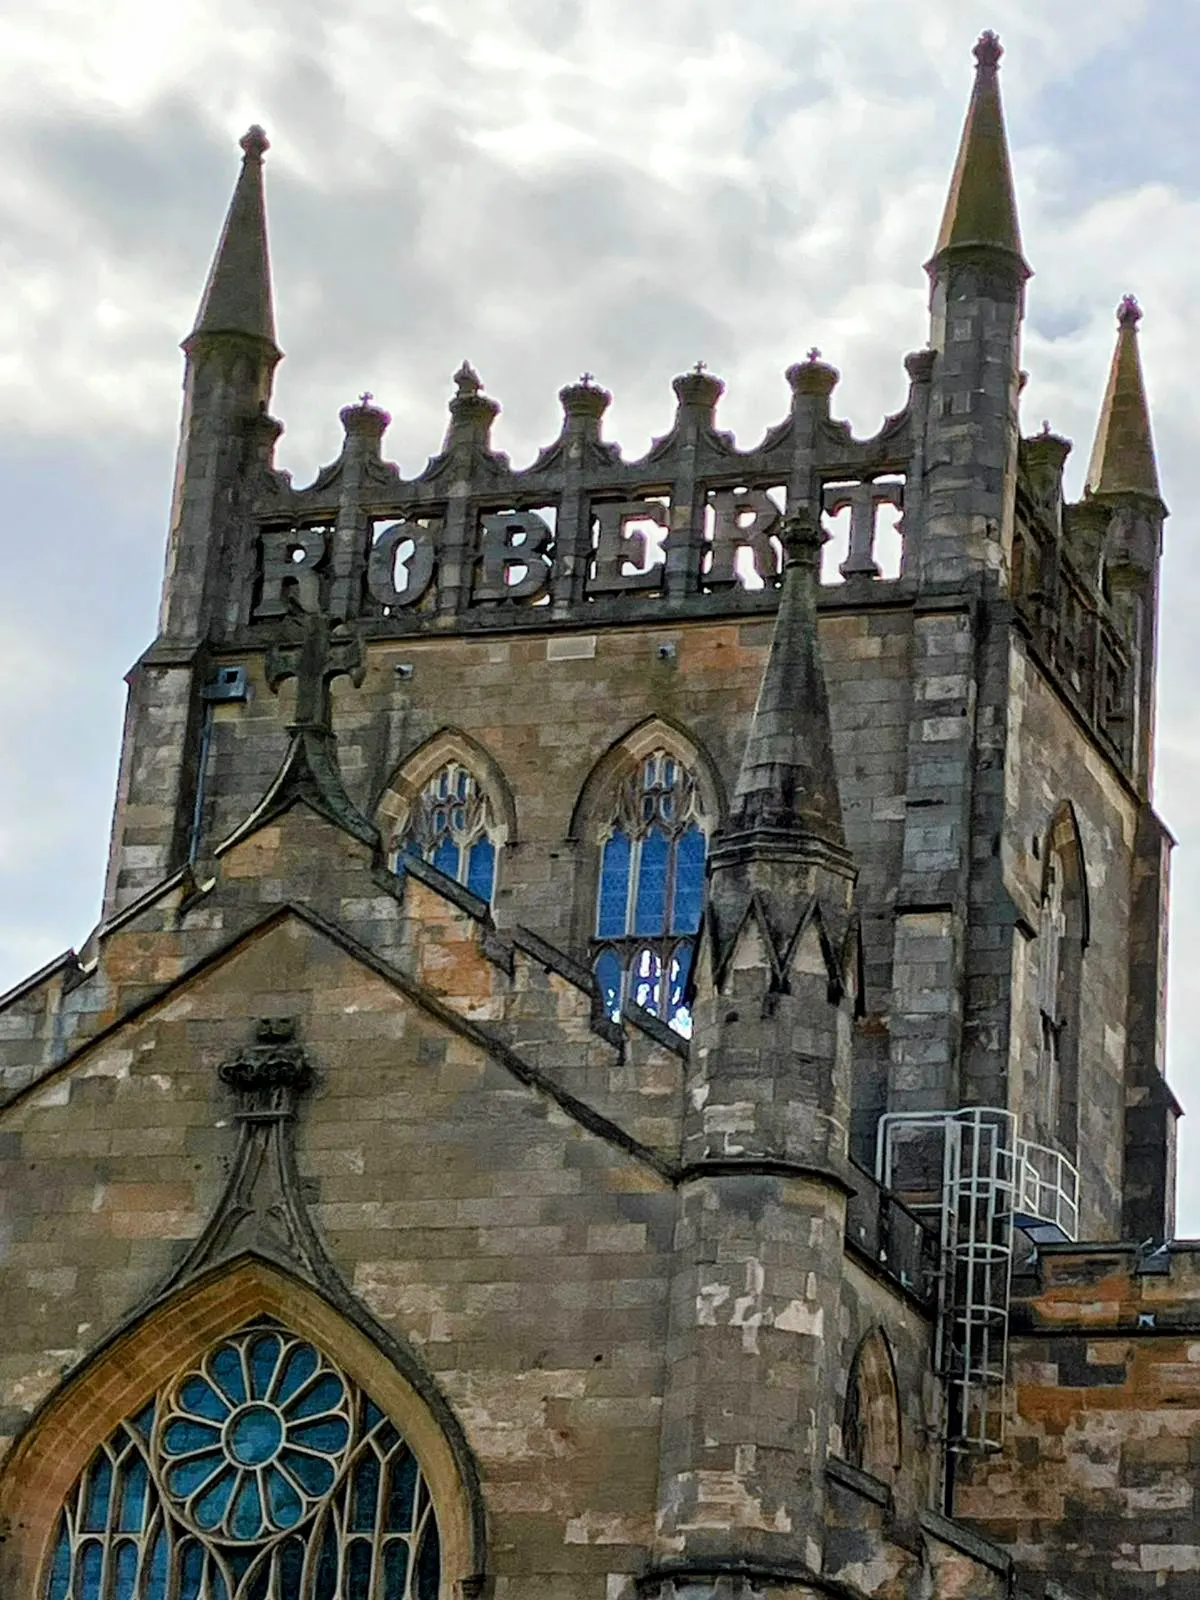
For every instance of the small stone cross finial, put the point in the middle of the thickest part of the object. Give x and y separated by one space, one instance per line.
1045 427
326 650
467 381
988 51
254 143
814 354
701 366
365 398
1129 313
587 379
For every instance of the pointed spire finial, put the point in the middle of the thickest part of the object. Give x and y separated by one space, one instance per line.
237 297
987 51
787 791
981 208
467 381
255 143
1123 460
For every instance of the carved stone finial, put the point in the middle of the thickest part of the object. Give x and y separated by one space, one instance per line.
467 382
1129 313
802 536
812 376
271 1073
585 398
364 420
255 143
699 388
701 366
988 51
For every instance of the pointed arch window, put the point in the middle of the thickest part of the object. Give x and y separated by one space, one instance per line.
1062 939
261 1473
452 825
651 890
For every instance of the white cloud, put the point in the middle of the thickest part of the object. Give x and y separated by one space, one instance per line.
544 186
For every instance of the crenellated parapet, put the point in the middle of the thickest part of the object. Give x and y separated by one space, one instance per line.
582 534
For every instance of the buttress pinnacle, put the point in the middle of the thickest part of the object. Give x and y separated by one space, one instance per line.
1123 460
237 297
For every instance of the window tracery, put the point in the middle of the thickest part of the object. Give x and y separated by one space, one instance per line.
261 1473
1062 937
452 826
650 893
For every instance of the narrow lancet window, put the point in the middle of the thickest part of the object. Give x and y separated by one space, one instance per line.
261 1473
1062 938
651 891
452 826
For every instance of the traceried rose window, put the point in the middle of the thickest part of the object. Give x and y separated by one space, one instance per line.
263 1473
651 892
452 827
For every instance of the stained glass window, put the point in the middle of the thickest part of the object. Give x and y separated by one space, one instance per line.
651 891
452 826
263 1473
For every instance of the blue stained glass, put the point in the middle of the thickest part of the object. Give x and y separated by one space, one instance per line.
387 1438
238 1561
133 1497
60 1571
226 1368
212 1505
247 1518
181 1437
187 1477
199 1397
445 857
402 1482
264 1358
612 907
126 1570
91 1568
313 1473
327 1565
650 901
608 981
481 868
372 1416
95 1517
324 1395
689 881
364 1504
258 1585
254 1436
291 1570
191 1570
326 1433
429 1564
359 1561
395 1569
158 1567
285 1504
301 1364
144 1421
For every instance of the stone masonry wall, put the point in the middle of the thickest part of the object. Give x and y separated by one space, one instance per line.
1049 759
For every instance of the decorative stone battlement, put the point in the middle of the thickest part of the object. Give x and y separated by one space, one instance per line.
581 535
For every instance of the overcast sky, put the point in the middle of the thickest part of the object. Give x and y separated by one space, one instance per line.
544 186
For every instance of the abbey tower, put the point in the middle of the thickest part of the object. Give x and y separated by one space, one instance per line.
619 1061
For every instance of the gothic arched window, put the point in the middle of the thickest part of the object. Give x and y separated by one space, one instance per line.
260 1473
1062 938
651 890
451 825
871 1419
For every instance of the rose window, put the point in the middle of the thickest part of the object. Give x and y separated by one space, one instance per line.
255 1438
261 1473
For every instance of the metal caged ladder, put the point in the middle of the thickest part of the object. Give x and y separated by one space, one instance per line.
969 1174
